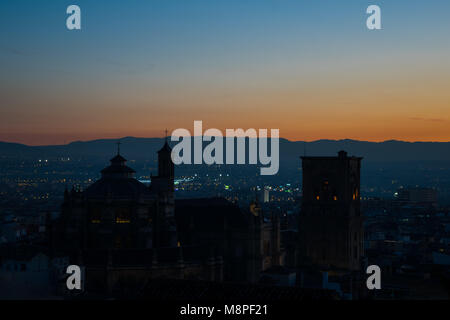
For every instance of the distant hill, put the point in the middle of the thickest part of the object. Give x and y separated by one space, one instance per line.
145 149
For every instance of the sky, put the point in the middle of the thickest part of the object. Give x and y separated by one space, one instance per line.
311 69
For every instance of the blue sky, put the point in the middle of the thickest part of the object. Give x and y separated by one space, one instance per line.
156 55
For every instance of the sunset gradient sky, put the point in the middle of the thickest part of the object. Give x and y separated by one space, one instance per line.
310 68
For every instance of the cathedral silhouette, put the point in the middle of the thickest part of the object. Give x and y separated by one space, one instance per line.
124 233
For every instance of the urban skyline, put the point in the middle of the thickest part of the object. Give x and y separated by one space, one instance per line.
203 151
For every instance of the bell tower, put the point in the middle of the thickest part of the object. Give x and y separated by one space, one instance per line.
330 221
163 186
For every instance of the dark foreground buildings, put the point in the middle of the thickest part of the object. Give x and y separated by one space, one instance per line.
126 234
130 238
137 240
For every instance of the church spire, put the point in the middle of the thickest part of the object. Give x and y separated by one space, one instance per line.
118 147
165 164
166 148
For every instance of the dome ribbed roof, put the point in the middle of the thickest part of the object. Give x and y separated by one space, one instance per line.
118 169
117 182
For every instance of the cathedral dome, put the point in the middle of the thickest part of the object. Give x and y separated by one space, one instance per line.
117 182
118 169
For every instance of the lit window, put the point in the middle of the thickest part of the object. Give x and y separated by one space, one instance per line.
334 198
96 215
318 198
122 215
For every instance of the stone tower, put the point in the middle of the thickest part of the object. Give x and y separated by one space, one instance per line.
163 186
330 222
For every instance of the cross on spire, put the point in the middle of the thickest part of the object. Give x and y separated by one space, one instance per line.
118 147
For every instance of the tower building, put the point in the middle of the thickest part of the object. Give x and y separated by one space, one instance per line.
163 187
330 222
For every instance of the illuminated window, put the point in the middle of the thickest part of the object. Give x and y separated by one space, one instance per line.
96 215
122 215
334 198
318 198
